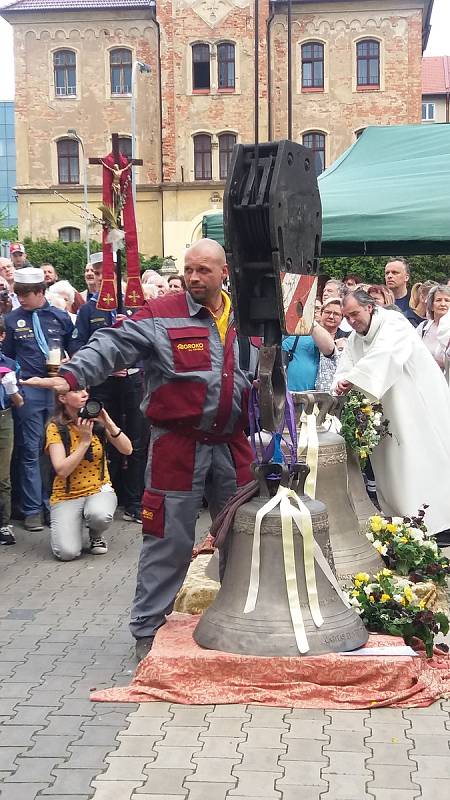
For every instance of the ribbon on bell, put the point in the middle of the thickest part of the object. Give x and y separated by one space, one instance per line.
309 441
311 552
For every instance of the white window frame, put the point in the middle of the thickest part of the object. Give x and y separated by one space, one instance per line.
428 105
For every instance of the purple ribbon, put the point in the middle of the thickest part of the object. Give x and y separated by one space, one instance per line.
287 422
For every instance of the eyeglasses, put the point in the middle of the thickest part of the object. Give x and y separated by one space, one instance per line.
332 313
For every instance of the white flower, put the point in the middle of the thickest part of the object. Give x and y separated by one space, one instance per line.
401 583
397 597
377 418
371 588
430 544
355 602
416 534
369 536
397 520
382 548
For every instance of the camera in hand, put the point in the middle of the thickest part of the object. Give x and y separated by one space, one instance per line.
90 410
4 296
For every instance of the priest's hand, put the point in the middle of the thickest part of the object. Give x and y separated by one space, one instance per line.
58 383
343 387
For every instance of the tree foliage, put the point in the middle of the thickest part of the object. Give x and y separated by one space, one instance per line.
371 269
69 258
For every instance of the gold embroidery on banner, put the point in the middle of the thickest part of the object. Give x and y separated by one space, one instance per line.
147 514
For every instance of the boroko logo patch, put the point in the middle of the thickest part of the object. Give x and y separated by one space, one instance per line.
191 346
147 514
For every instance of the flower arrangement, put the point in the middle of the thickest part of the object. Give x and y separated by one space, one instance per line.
389 605
405 548
363 425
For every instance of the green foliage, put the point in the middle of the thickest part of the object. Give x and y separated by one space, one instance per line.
7 233
154 262
371 269
68 258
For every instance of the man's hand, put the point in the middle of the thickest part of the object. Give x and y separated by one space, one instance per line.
58 383
342 387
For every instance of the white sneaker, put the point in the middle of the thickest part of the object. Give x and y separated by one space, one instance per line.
7 535
98 546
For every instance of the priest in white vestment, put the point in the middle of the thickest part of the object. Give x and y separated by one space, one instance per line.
386 360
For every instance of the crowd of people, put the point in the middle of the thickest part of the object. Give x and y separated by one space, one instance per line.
147 409
48 455
312 360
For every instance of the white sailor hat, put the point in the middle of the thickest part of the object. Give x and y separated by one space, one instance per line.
97 258
29 275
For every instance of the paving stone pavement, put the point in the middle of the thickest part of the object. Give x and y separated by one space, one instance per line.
64 631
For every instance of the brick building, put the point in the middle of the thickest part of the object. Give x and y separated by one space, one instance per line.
436 89
354 63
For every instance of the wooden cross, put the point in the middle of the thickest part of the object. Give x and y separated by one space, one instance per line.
136 162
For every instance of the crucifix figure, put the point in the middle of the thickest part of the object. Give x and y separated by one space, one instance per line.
121 204
117 172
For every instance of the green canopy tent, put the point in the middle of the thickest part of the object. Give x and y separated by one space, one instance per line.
388 193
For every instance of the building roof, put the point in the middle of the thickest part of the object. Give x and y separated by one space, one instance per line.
436 75
72 5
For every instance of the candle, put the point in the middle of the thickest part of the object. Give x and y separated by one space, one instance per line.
54 357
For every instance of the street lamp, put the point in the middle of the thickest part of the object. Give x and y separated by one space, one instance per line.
74 135
142 67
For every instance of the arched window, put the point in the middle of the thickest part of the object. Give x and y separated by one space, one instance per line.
69 234
64 70
201 80
368 63
312 65
125 146
316 142
120 61
202 157
68 161
226 66
226 144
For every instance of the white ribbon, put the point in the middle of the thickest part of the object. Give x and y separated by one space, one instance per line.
309 441
311 550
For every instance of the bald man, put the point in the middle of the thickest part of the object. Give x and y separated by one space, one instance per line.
196 393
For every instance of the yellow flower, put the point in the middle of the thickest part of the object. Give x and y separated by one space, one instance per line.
408 593
403 539
362 577
371 598
354 593
402 601
366 410
422 603
385 597
376 523
386 572
391 528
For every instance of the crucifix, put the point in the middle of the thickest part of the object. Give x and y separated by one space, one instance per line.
117 173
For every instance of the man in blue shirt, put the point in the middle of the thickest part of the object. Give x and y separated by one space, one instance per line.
28 331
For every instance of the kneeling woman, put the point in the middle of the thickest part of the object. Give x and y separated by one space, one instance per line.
82 494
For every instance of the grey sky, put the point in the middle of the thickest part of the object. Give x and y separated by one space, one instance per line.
437 46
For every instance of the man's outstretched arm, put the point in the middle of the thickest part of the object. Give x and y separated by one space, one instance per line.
109 350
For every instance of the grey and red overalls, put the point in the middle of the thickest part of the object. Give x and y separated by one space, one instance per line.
196 400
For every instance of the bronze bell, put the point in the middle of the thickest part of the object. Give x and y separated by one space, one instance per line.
268 629
361 502
352 552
